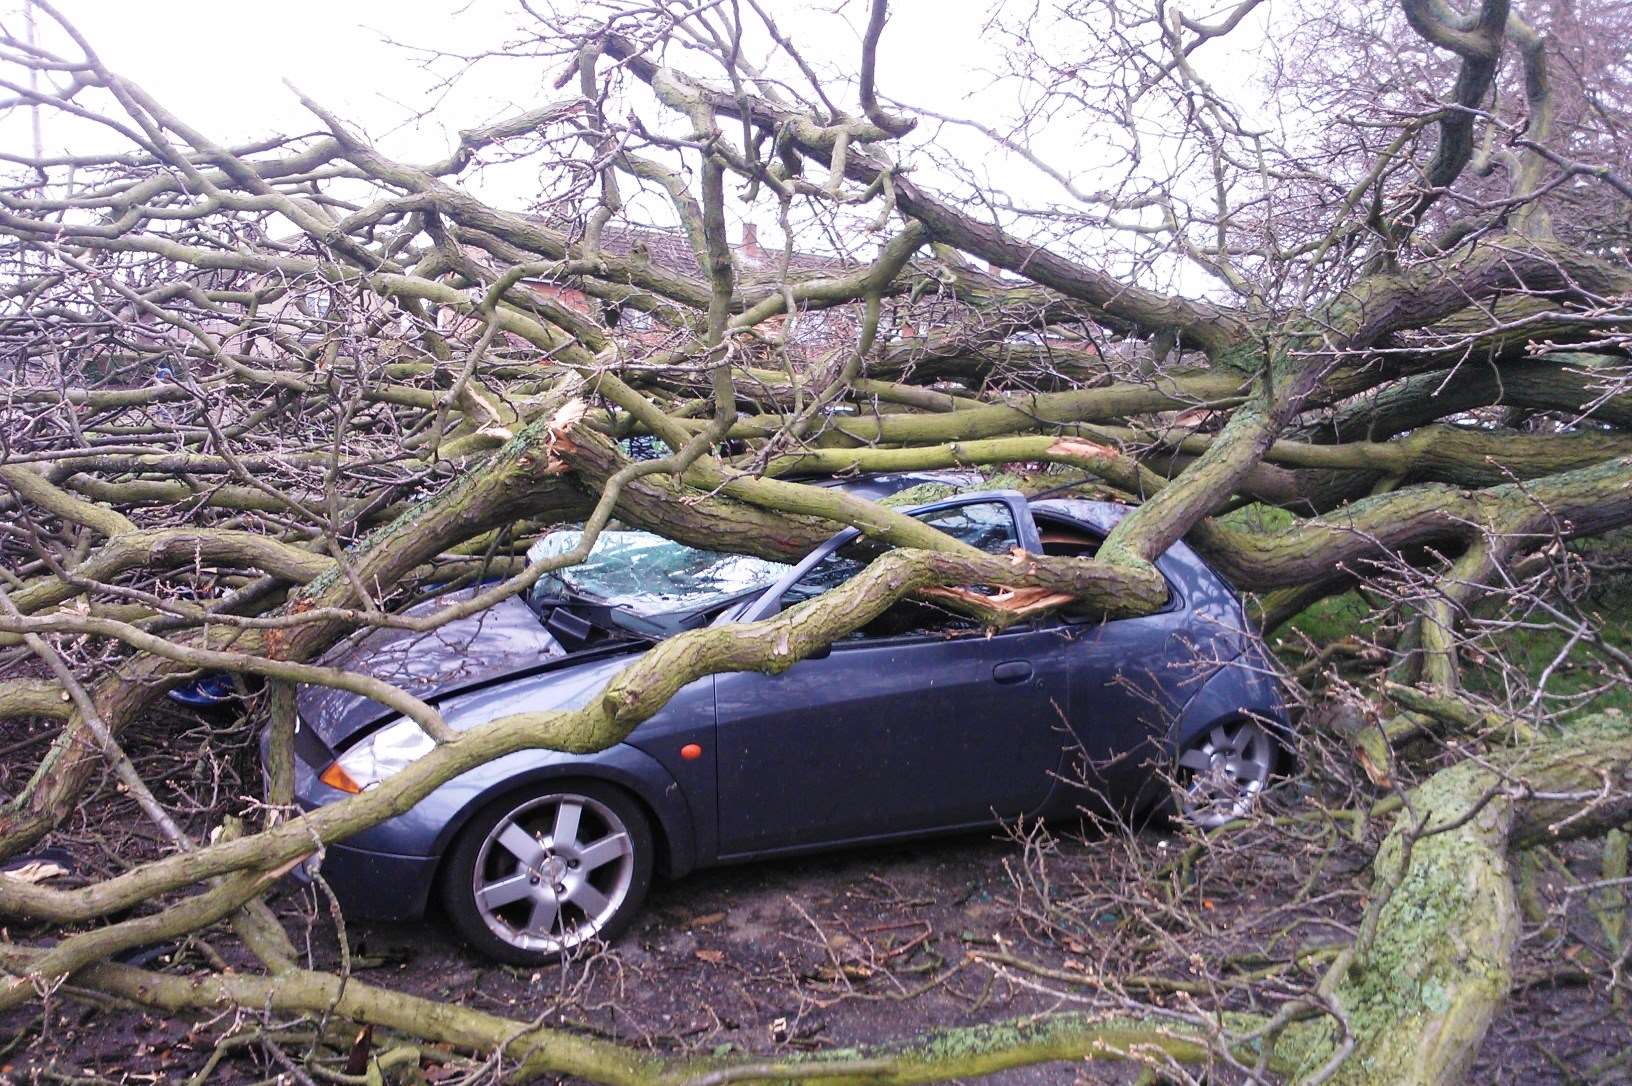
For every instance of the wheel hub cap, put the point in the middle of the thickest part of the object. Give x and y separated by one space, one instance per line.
1228 768
553 872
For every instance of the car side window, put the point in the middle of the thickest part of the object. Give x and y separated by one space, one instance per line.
1065 539
1068 541
987 525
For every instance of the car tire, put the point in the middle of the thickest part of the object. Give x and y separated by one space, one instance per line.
1222 773
542 872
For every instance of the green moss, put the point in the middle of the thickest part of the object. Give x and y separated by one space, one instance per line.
1439 963
959 1045
1334 618
985 479
1579 683
1011 480
1258 517
976 1050
1243 357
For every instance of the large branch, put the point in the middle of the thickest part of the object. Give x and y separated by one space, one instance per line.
1433 961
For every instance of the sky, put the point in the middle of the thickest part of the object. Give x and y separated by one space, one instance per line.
222 67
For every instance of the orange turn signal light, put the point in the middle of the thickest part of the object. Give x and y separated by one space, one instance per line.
691 752
335 777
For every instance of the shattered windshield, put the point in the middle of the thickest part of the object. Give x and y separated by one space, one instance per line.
647 574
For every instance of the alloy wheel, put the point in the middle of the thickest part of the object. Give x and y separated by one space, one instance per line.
553 872
1223 772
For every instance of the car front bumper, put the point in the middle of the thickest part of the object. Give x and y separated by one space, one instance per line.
376 885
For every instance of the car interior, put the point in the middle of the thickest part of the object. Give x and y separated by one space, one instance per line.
1061 540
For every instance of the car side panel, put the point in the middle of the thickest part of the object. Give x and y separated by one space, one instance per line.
429 827
379 885
1245 687
891 736
1123 675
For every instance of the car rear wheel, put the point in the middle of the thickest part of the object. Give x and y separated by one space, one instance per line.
540 873
1223 772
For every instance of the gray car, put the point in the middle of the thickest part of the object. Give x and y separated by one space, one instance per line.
920 723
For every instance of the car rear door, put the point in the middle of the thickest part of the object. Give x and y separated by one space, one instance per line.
912 725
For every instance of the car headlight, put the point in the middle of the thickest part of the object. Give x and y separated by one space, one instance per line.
383 754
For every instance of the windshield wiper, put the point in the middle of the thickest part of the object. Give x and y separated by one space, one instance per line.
579 623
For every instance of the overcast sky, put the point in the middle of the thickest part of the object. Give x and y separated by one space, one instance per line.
221 66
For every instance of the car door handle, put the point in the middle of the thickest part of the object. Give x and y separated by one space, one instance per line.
1013 671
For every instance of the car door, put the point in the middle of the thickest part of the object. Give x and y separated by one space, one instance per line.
1123 690
915 723
1131 677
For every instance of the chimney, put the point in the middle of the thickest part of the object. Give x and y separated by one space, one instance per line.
750 244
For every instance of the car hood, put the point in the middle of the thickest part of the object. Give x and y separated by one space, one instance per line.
464 653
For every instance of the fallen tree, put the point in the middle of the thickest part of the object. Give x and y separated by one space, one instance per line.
260 397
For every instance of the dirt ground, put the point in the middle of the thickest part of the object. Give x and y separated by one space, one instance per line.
871 945
850 948
867 946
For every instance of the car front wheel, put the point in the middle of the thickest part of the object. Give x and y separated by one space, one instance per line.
1223 772
540 873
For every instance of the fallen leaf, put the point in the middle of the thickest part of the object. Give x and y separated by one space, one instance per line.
357 1059
707 918
712 957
